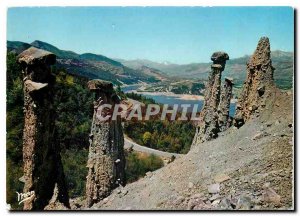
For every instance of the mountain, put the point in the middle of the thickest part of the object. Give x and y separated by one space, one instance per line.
90 65
122 71
94 57
137 63
152 72
55 50
236 68
17 46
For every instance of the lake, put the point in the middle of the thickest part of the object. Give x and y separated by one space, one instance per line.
172 99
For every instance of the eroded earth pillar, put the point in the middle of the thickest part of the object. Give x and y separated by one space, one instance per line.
224 106
43 171
208 125
258 84
106 161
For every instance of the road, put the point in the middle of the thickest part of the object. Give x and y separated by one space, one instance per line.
136 147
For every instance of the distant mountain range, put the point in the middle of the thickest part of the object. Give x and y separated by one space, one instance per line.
235 68
121 71
91 65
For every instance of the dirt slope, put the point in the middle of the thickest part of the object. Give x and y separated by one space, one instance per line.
256 160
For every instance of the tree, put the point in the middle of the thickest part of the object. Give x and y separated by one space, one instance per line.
14 126
147 138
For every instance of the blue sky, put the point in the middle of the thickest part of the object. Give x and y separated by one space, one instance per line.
176 34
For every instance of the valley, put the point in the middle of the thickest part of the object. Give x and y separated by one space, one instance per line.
154 76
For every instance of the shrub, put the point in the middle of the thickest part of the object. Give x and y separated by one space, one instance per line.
74 163
138 164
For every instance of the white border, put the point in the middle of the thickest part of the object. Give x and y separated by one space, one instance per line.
17 3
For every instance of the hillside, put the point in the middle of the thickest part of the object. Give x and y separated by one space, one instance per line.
235 68
153 72
122 71
241 169
89 65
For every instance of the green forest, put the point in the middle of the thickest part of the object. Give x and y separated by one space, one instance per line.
166 135
169 136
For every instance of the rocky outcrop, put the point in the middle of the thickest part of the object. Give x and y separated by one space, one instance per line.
106 161
258 85
224 120
208 127
43 171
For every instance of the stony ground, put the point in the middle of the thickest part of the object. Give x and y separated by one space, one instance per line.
246 168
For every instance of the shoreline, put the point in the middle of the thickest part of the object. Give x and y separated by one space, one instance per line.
171 94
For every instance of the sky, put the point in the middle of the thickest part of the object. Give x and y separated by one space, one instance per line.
175 34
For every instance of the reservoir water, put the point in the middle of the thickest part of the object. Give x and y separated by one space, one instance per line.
173 99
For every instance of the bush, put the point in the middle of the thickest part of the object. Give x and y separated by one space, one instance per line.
14 126
137 165
147 138
74 163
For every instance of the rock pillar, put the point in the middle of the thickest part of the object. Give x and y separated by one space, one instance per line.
224 106
43 171
258 83
208 126
106 160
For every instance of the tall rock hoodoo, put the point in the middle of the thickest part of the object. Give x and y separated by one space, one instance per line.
224 120
259 83
106 160
208 127
43 171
